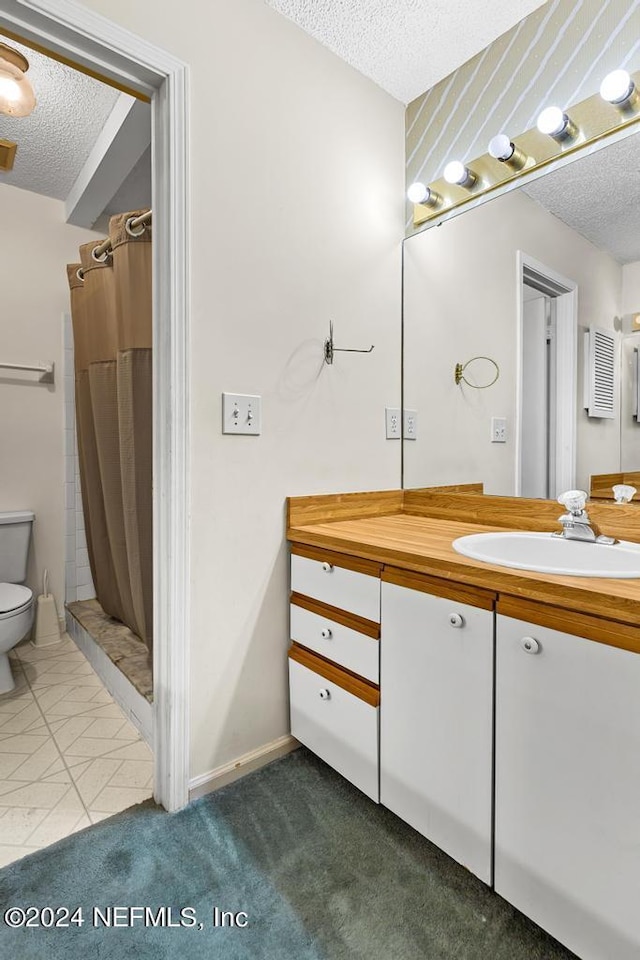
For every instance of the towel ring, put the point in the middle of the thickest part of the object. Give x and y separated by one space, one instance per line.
459 377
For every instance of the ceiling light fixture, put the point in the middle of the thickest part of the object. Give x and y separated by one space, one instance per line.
17 98
501 148
555 123
457 174
420 193
618 89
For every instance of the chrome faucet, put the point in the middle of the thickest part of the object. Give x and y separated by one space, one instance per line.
576 524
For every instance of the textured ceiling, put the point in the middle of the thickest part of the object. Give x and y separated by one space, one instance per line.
405 46
597 197
54 142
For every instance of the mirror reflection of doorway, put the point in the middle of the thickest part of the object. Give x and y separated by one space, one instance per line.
538 392
546 425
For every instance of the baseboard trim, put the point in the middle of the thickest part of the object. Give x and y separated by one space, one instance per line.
228 772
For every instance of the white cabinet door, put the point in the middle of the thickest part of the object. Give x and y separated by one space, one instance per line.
436 721
568 787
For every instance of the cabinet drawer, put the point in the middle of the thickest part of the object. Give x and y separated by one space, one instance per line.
339 643
337 726
356 592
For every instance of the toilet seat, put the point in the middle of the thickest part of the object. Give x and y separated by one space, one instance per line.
14 599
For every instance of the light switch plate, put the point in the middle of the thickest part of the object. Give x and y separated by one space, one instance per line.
498 430
241 414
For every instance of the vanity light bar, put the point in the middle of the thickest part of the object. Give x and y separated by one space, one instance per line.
557 132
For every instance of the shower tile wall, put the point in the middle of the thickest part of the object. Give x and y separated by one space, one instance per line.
78 582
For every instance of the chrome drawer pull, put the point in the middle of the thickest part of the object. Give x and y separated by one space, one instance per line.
327 567
456 620
325 695
326 634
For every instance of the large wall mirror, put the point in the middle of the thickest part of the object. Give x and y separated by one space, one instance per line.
520 280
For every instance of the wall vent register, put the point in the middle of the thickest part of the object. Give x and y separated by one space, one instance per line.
600 373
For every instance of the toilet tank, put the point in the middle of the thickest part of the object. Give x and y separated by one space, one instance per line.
15 535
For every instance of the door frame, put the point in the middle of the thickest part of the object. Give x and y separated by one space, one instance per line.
87 39
566 371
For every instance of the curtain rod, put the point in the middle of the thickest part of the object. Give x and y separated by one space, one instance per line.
102 251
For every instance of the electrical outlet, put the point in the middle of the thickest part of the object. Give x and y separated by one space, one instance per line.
410 425
392 420
498 430
241 414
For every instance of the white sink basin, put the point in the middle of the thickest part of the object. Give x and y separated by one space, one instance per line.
547 554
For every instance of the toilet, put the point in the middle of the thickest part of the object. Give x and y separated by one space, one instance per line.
16 600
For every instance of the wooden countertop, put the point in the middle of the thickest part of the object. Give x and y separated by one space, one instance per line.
423 544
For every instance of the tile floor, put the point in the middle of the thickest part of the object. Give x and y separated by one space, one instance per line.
68 755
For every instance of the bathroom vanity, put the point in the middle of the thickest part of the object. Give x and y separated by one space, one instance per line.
495 710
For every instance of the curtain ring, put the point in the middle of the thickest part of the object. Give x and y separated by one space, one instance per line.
80 274
105 256
131 231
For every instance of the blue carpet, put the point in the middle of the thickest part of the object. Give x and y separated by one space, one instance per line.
320 871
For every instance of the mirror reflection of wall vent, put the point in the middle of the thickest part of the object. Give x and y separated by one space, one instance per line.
600 373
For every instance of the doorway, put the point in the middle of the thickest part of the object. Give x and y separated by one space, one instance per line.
94 45
546 399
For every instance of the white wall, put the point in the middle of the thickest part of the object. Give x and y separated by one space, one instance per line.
297 215
461 290
629 427
35 246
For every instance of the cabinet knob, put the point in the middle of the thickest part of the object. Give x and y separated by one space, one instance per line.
530 645
327 567
326 634
456 620
325 695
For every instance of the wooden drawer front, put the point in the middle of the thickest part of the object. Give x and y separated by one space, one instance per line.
339 643
356 592
341 729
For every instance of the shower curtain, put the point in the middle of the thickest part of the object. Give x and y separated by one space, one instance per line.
111 317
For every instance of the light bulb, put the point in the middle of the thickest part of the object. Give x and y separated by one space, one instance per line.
9 89
553 122
16 93
418 193
501 148
455 172
617 87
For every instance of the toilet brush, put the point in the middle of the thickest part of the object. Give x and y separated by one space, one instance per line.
47 628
